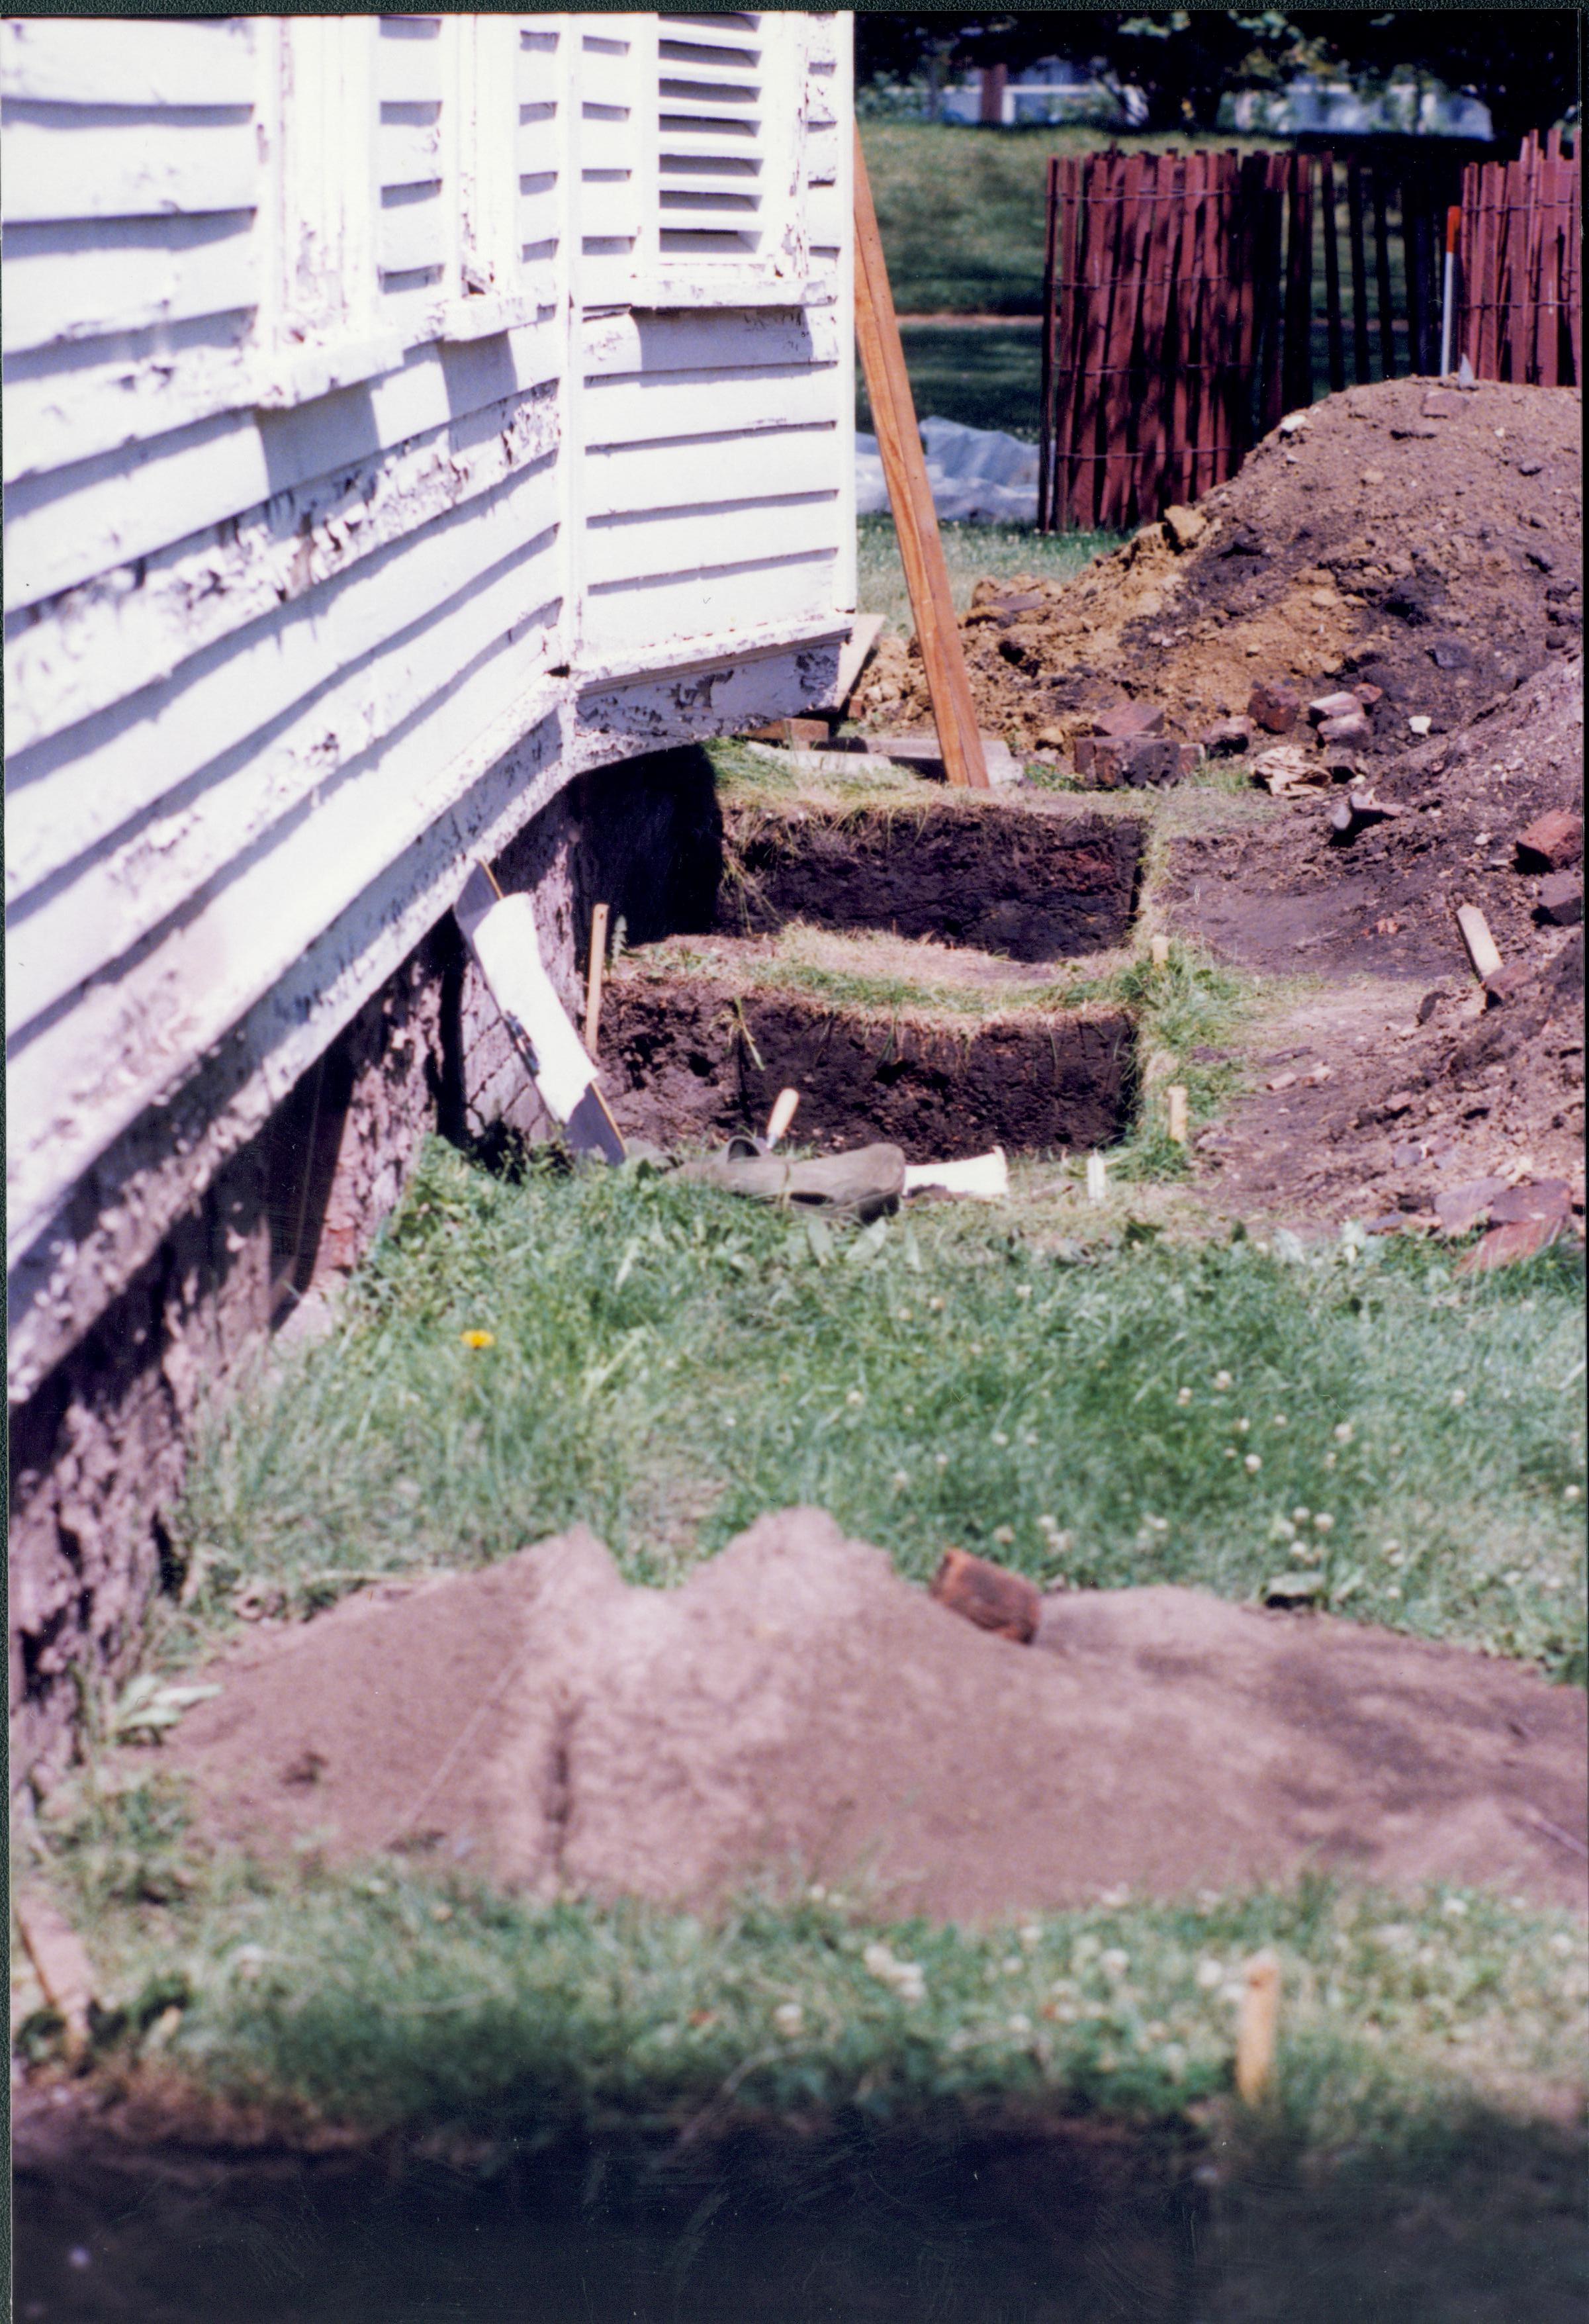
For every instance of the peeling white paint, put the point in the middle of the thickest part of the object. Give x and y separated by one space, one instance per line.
339 538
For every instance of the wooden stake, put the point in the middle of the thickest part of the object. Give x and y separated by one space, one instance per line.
63 1967
915 520
594 972
1176 1095
1256 2028
1159 951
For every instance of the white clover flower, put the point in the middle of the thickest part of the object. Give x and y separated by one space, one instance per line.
1222 1380
1458 1397
1344 1432
1113 1961
999 1438
788 2017
1003 1535
1455 1908
1323 1522
1184 1396
1020 2024
1253 1463
1210 1973
940 1460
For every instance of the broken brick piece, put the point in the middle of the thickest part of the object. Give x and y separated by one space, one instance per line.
1546 1198
1551 842
1367 695
1509 980
1227 736
1274 707
1351 727
1127 719
1504 1245
988 1595
1334 706
1459 1208
1561 897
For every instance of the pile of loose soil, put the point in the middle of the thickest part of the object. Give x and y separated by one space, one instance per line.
796 1710
1033 882
695 1049
1426 539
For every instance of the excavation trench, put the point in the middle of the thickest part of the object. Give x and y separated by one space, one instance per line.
1027 883
689 1058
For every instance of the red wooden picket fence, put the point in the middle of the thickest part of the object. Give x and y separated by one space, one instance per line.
1192 300
1520 267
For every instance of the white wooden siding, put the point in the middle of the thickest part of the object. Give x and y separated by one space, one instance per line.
363 485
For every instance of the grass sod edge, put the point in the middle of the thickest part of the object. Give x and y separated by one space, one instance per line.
951 1378
395 2000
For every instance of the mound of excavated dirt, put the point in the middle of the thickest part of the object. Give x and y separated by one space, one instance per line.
1427 539
798 1711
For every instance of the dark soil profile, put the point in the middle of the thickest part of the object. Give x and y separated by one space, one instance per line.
798 1711
688 1060
1021 882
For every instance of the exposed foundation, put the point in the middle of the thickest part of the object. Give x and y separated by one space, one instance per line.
99 1446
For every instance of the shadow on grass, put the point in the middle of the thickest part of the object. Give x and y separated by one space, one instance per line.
1068 2222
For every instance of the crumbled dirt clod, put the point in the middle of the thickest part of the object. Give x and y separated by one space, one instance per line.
796 1710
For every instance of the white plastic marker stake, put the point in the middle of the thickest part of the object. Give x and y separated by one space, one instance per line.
1480 943
781 1116
501 933
1159 951
1448 305
1176 1095
1098 1184
985 1176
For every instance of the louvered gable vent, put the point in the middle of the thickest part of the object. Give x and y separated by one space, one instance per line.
712 124
416 231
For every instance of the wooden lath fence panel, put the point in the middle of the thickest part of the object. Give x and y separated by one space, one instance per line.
1518 261
1190 301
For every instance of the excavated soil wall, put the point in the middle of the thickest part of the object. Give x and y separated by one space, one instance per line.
1026 884
686 1061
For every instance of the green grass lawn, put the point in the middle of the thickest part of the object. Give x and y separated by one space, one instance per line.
982 375
970 552
961 210
666 1364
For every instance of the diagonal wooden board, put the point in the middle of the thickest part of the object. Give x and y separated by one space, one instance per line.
915 520
501 935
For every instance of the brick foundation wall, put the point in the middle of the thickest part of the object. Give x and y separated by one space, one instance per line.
99 1452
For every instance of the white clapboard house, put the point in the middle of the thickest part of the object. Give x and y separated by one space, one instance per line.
403 416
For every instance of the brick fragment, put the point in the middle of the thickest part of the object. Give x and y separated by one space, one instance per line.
1551 842
1129 718
1561 897
1334 706
988 1595
1367 695
1228 737
1274 707
1351 727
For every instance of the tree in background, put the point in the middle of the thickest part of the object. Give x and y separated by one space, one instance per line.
1521 63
